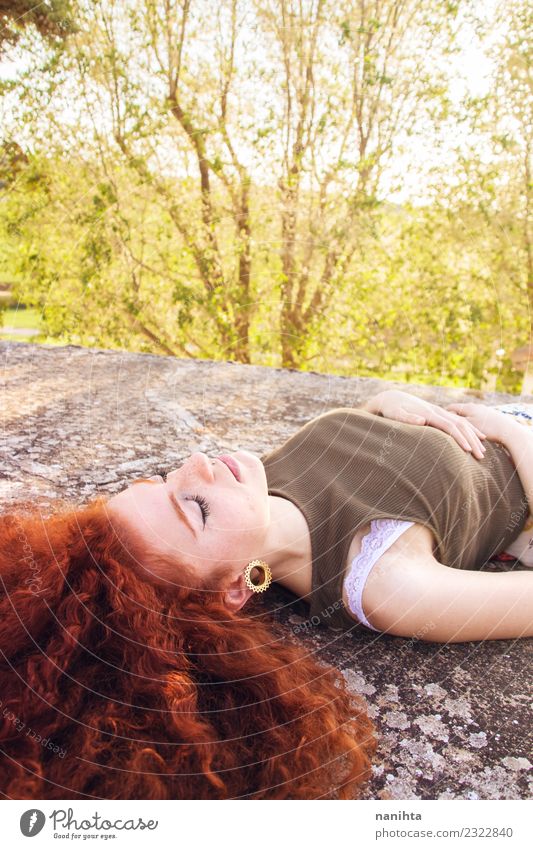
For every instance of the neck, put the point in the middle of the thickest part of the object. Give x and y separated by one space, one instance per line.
287 548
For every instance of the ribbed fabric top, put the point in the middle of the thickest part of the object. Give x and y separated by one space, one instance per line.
348 466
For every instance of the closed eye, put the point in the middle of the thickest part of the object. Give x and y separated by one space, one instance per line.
204 506
200 500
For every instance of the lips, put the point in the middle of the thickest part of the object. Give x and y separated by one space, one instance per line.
232 465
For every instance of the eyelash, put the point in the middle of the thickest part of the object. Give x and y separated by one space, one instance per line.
204 506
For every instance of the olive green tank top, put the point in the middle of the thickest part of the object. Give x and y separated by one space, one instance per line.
348 466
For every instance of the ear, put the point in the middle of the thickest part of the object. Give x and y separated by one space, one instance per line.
238 594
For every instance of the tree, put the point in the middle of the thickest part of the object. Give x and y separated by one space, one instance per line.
353 80
52 19
222 170
490 195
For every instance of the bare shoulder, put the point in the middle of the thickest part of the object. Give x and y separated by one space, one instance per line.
413 550
417 539
404 589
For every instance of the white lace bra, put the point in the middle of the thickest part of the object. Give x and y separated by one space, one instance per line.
382 533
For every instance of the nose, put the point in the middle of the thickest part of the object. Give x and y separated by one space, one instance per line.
203 465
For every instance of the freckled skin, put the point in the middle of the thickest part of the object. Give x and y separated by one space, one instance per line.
235 531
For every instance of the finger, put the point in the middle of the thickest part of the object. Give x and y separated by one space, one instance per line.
465 410
479 432
464 436
470 432
458 408
413 418
460 437
480 449
467 428
449 427
401 415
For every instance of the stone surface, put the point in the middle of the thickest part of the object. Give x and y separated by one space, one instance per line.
454 721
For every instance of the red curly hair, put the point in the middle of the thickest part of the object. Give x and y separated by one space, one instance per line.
113 686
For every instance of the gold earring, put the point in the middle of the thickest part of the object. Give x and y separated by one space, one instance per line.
267 576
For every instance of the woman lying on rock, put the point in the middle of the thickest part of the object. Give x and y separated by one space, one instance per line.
127 646
373 519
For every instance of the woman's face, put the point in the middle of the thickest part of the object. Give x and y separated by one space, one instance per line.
169 520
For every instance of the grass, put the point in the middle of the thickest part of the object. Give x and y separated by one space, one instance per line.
28 319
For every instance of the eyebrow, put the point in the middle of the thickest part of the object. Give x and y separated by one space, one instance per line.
175 504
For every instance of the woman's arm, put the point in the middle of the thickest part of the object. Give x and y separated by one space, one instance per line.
519 442
416 596
500 427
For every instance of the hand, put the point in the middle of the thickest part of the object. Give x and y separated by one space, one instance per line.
494 424
403 407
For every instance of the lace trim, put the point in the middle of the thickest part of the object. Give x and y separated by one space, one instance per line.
383 532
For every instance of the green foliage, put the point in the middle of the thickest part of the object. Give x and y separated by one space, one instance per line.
173 183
